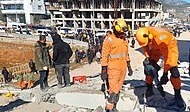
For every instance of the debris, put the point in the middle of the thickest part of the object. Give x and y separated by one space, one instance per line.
98 109
48 97
9 94
81 79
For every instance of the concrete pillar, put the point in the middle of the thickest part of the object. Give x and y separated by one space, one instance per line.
91 16
51 16
102 23
133 15
122 14
27 18
121 4
83 23
74 20
64 23
110 24
110 16
101 5
63 16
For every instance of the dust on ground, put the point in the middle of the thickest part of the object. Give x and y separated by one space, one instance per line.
13 54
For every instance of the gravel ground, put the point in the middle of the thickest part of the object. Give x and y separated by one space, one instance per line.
93 85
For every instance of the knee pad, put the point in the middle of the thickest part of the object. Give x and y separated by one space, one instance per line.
113 98
174 72
146 73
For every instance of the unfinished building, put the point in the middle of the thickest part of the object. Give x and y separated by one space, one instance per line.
100 14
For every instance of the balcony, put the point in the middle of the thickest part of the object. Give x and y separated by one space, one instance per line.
54 8
13 11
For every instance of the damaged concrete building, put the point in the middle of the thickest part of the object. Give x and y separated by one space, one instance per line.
100 14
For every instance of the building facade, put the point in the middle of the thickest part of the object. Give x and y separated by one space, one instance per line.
100 14
22 11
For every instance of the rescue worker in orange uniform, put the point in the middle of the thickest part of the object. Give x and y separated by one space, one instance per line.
157 42
115 60
20 80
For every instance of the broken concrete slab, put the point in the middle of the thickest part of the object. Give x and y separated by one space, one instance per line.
12 91
91 101
80 100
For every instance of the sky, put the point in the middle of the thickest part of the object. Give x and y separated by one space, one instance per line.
187 0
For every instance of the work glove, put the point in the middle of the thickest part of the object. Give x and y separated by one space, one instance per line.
164 79
130 71
104 73
161 90
146 61
45 68
155 65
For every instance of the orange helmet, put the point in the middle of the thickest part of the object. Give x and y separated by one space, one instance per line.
19 72
120 25
29 70
142 36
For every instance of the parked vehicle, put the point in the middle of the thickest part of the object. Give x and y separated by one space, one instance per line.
180 29
16 26
2 28
63 30
79 30
43 32
188 27
100 33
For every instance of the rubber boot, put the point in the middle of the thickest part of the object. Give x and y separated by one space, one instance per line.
23 85
114 109
149 91
179 100
109 107
20 85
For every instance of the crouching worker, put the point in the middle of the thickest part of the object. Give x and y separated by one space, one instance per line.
30 78
156 43
115 61
20 80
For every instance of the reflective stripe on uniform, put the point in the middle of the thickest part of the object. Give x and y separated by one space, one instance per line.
110 39
171 40
116 55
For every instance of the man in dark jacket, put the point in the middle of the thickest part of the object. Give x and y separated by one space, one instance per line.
61 55
32 66
133 43
5 74
43 61
77 56
90 55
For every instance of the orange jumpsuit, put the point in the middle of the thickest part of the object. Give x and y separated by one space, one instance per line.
163 44
20 80
30 79
115 56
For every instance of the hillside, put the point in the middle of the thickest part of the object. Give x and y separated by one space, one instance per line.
179 5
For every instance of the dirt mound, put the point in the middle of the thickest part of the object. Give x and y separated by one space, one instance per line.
13 54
